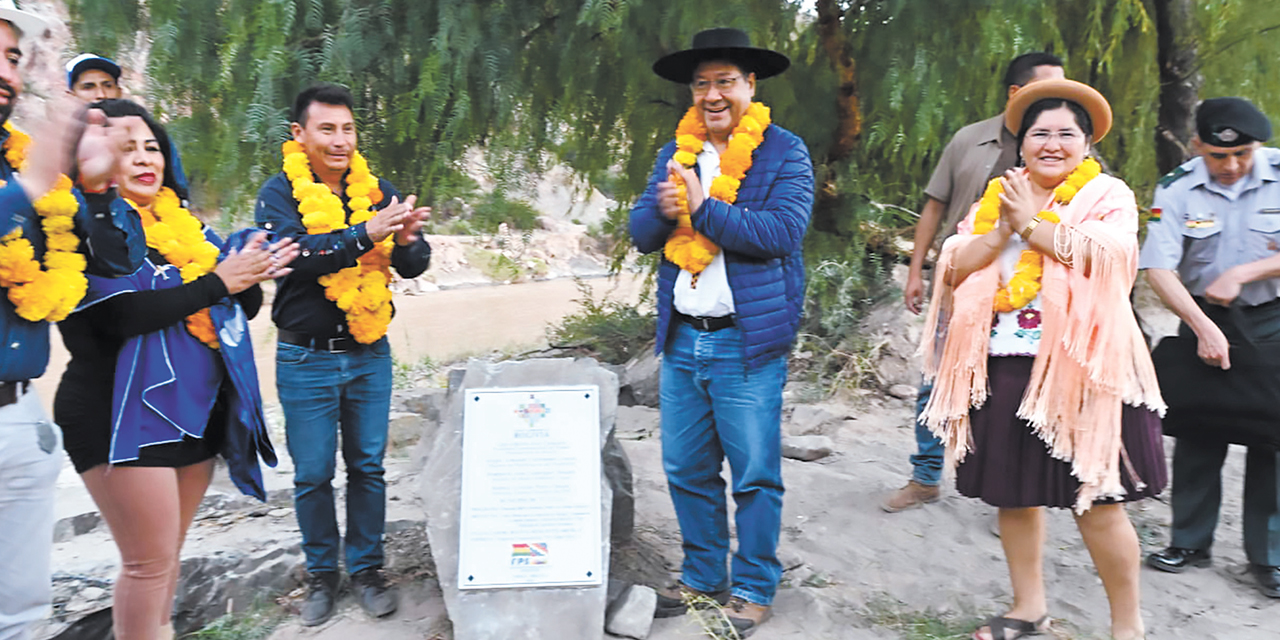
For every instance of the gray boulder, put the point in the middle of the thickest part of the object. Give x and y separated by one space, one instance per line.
807 448
548 613
213 585
640 384
631 616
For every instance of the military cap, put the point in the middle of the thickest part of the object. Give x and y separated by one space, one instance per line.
1231 122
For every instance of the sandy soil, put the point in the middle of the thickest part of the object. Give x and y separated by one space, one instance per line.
855 572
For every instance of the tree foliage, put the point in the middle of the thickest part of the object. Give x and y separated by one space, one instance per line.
538 81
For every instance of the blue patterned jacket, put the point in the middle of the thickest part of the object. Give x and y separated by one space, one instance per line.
761 235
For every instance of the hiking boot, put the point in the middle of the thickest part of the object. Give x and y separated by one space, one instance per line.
375 596
911 496
675 600
322 591
746 616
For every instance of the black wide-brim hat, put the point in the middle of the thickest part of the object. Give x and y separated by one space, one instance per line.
733 45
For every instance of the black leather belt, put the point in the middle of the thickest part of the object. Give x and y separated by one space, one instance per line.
706 323
11 391
341 344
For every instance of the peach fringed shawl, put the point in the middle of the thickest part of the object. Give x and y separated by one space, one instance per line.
1092 354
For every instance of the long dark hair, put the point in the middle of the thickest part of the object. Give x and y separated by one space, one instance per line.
119 108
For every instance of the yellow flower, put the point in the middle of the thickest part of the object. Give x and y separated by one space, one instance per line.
360 203
63 260
351 289
685 158
1024 286
50 291
688 249
179 237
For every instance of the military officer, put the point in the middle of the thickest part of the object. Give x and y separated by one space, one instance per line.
1212 243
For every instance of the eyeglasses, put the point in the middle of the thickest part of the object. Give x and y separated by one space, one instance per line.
1065 137
722 85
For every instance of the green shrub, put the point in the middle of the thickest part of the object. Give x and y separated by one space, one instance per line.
407 375
611 330
255 624
495 208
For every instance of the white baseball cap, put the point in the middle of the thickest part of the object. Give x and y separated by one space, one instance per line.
30 24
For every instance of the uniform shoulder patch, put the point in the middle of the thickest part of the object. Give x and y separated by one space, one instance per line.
1172 176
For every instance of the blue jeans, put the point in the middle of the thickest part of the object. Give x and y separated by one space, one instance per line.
713 408
927 462
324 394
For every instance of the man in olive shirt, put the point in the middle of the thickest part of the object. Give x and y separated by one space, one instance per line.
977 153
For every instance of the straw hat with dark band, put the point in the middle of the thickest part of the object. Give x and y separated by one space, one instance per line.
1082 94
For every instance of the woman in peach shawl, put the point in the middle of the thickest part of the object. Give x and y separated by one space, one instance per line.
1043 386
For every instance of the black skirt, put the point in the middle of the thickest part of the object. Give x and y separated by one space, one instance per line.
1009 466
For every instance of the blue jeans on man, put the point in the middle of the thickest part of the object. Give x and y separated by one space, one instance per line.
714 407
325 395
926 462
926 465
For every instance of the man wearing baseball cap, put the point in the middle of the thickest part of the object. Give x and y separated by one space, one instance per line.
91 77
1214 246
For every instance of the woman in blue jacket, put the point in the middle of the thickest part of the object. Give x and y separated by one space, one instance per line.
161 377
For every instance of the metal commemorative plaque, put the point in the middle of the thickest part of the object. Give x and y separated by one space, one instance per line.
530 509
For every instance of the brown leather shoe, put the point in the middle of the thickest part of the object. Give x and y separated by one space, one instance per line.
911 496
746 616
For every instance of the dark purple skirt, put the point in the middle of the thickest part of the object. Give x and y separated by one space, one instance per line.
1009 466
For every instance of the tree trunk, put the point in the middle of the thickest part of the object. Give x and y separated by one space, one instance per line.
1178 57
848 114
836 45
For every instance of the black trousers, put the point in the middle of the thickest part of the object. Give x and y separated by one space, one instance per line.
1197 494
1197 467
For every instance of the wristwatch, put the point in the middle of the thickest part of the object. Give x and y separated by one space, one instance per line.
1031 226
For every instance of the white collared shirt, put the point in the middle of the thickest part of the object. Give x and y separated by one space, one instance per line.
713 297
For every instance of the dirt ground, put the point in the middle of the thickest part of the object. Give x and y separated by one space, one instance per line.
856 572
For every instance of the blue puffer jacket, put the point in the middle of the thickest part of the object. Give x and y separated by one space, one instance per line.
761 235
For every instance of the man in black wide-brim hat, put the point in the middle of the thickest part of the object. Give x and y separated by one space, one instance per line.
728 204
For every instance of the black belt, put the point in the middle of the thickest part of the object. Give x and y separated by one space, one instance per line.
11 391
706 323
341 344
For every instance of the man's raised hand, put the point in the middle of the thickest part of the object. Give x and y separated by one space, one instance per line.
389 220
410 230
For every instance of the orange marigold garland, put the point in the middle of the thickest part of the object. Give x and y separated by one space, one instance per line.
50 291
1024 286
687 248
360 291
179 237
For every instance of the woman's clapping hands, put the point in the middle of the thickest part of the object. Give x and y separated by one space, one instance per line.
255 262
